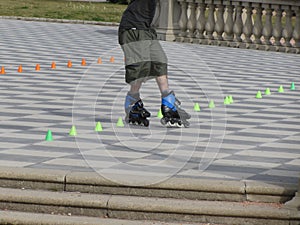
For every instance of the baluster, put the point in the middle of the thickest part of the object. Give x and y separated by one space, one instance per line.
277 31
258 26
248 26
238 24
288 28
210 23
201 20
191 24
228 28
296 33
183 19
220 22
267 29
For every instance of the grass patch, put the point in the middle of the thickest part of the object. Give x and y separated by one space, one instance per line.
62 9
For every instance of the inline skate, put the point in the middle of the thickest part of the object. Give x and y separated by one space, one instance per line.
173 114
136 114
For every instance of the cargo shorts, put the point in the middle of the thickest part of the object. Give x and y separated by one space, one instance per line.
144 56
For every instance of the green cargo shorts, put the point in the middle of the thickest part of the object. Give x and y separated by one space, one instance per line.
144 56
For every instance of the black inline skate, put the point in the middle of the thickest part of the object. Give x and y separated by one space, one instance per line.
173 114
135 112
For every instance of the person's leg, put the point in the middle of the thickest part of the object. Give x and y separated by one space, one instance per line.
134 107
136 71
173 114
163 84
135 86
133 95
159 67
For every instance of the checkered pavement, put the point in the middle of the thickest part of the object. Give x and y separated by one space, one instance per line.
251 139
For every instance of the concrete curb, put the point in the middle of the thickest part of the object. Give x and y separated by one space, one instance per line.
143 208
54 202
186 188
172 188
33 178
22 218
59 20
213 208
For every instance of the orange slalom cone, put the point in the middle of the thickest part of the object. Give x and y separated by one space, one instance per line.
20 69
53 65
112 59
83 62
69 64
2 70
37 67
99 60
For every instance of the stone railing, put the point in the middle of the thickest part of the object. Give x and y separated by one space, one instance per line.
267 24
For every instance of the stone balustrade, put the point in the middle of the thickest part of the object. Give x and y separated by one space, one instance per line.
267 24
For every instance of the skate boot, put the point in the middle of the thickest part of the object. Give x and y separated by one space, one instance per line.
173 114
135 112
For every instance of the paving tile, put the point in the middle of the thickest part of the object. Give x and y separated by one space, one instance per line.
253 139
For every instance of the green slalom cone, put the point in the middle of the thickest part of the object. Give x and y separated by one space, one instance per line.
293 86
98 127
73 131
211 104
196 107
226 101
258 94
230 99
267 91
120 122
280 89
159 114
49 136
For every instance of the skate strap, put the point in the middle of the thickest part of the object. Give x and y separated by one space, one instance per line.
168 104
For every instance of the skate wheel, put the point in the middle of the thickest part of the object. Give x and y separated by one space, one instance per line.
170 124
146 123
186 124
176 124
163 121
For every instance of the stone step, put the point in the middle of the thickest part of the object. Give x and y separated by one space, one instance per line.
25 218
177 188
145 208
